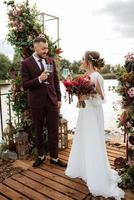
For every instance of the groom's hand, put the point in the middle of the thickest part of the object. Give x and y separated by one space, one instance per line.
43 76
59 104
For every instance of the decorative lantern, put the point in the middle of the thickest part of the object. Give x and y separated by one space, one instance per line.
22 144
63 133
9 136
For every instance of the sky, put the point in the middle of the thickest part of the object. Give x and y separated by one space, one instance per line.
102 25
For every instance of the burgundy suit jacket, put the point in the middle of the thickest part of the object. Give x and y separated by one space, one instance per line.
38 92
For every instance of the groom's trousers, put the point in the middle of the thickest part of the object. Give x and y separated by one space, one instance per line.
49 113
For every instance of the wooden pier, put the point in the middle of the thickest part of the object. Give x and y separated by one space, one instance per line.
50 182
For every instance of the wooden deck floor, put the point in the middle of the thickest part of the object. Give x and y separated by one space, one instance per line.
49 182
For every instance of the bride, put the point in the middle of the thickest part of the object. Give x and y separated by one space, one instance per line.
88 157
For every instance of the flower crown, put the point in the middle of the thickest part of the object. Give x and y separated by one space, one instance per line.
92 59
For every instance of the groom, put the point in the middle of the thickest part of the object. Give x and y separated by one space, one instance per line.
44 99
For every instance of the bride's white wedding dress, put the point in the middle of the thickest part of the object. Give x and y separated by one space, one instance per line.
88 157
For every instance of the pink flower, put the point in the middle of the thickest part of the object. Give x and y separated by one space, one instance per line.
131 92
15 12
129 57
21 27
14 23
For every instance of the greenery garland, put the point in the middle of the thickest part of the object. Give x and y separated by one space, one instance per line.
23 27
125 88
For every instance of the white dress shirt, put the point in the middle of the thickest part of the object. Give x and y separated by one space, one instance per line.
38 63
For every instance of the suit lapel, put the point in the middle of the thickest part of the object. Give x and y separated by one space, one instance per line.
34 63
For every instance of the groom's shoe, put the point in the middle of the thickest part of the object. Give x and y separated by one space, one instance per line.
58 162
38 162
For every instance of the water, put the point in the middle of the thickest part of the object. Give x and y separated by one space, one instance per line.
70 111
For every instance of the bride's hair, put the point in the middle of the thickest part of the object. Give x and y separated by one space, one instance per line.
94 57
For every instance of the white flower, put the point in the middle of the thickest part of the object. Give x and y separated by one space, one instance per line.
131 92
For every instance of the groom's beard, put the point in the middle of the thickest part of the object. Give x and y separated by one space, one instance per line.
41 56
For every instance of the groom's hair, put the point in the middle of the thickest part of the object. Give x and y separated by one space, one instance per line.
39 39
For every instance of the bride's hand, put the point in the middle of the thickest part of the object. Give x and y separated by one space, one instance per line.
83 97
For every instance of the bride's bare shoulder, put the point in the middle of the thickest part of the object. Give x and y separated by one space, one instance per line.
98 75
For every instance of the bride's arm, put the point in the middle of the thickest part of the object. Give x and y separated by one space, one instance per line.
99 90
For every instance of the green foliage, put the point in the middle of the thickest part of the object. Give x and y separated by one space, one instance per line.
125 89
118 70
24 26
16 61
64 63
127 176
106 69
75 67
5 65
3 146
126 83
34 153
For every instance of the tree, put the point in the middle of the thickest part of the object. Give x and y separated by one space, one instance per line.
118 68
75 67
106 69
5 65
64 63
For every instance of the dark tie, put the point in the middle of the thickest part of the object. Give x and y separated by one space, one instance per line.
41 64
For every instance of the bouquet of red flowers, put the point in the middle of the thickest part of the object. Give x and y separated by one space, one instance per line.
79 86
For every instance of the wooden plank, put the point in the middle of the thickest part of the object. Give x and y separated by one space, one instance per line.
129 195
3 198
67 150
11 193
118 149
64 155
65 181
40 188
65 158
26 191
25 164
111 159
115 152
56 170
63 170
60 187
109 151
